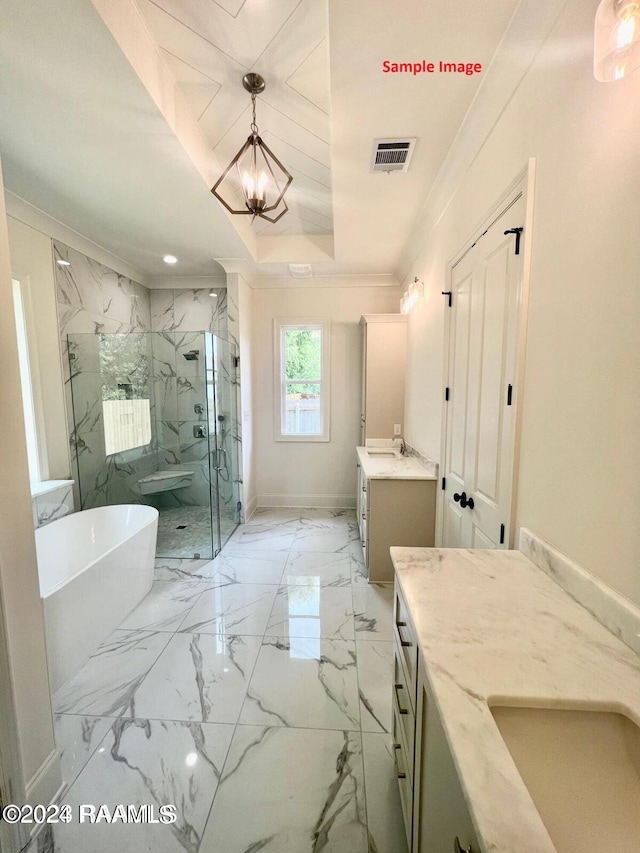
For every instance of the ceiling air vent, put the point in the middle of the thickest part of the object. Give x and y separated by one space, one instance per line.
392 155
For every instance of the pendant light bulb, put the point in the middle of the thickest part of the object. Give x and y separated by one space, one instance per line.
616 51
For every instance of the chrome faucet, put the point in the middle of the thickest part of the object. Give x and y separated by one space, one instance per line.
403 444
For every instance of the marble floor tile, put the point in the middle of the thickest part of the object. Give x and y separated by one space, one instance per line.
255 538
375 675
359 576
326 519
384 812
199 677
77 738
273 525
105 685
153 763
373 611
312 611
311 569
244 566
321 539
165 606
232 608
271 802
275 513
304 683
180 569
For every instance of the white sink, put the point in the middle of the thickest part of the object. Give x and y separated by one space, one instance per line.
382 453
582 770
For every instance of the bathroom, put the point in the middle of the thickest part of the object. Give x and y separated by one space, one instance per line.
236 522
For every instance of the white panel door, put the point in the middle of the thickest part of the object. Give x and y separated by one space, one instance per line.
480 410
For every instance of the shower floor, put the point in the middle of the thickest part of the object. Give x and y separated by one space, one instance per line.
185 532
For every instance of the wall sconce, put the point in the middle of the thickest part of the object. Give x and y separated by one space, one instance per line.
616 48
412 296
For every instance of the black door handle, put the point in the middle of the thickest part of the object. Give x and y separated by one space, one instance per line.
464 500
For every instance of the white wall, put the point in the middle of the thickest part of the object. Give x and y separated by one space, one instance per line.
578 484
304 473
246 414
23 616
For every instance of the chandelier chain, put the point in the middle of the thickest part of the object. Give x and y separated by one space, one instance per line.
254 126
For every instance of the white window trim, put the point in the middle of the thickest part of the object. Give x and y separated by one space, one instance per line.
32 391
280 325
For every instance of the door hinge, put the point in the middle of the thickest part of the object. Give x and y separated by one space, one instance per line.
449 294
446 393
509 394
517 232
502 534
444 483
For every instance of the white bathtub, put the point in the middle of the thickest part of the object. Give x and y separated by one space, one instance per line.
95 566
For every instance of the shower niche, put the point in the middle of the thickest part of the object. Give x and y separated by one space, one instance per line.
155 422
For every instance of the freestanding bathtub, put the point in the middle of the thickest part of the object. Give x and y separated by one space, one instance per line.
95 566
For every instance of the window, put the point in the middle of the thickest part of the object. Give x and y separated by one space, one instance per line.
302 380
31 403
124 377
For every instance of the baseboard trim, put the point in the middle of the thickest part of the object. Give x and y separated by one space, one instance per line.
325 501
250 509
46 785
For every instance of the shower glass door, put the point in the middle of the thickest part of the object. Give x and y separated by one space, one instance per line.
222 395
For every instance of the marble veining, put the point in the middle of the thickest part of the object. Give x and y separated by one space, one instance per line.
151 762
397 468
493 628
611 609
303 682
321 805
53 504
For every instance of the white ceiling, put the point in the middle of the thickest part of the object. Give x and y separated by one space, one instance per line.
209 46
81 137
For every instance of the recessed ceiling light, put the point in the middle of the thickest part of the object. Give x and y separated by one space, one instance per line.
170 259
62 263
213 294
300 270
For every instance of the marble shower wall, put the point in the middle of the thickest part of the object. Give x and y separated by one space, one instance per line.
181 409
227 429
196 310
94 299
190 311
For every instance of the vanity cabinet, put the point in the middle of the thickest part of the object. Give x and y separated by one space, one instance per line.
393 512
384 357
434 807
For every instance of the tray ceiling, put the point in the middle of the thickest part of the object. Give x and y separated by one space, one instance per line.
208 45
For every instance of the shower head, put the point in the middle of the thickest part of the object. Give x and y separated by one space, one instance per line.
192 355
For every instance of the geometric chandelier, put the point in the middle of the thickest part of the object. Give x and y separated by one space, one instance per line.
616 50
255 180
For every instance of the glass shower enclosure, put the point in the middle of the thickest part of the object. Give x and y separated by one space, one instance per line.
155 422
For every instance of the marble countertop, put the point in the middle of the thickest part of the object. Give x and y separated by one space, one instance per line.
494 629
398 468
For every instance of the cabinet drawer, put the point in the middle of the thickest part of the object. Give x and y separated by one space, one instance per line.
403 710
406 643
405 784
